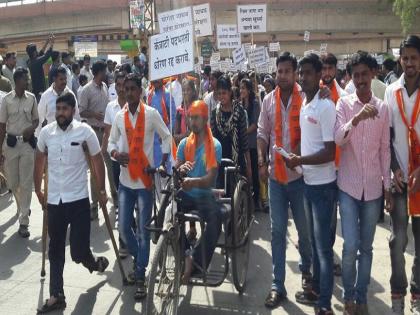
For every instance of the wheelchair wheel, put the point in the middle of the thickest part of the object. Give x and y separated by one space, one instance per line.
240 221
164 277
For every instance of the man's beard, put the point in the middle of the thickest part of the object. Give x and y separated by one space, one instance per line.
328 82
63 125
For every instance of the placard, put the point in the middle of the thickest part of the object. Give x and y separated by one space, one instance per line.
252 18
307 36
85 45
215 56
323 48
227 36
274 47
239 56
175 20
273 66
257 56
202 20
206 48
380 59
171 53
137 14
263 68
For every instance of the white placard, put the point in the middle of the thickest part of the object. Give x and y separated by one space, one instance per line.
274 47
171 53
307 36
215 56
263 67
228 36
85 48
200 60
175 20
323 48
247 47
396 52
202 20
257 56
273 66
224 66
232 68
341 65
380 59
252 18
308 52
197 68
239 56
215 65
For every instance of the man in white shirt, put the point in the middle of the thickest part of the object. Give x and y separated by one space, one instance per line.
131 144
67 201
403 100
211 98
86 68
66 64
176 87
47 103
317 121
9 67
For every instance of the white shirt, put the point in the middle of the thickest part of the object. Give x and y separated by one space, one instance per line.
112 92
153 123
47 105
378 88
87 73
400 141
67 165
176 92
79 91
210 102
317 121
69 75
111 111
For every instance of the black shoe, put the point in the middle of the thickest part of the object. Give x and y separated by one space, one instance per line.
307 282
324 311
60 304
306 298
103 263
141 291
274 299
23 231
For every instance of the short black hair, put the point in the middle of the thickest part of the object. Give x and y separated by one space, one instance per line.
126 68
389 64
224 83
412 41
56 71
98 66
287 56
75 66
82 78
67 98
136 59
207 70
65 55
109 61
19 73
10 55
119 75
30 49
216 74
363 57
55 55
86 57
329 59
312 59
134 78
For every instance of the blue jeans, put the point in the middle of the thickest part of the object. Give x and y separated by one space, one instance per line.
320 201
358 223
138 244
280 197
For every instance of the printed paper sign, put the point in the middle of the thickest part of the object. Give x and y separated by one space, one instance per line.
175 20
215 56
257 56
227 36
252 18
202 20
137 14
171 53
323 49
85 45
274 47
239 56
307 36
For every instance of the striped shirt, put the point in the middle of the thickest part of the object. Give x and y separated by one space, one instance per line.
365 149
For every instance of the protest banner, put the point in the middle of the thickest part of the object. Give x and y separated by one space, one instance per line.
274 47
379 59
215 56
171 53
85 45
202 20
175 20
137 14
263 67
273 66
323 48
252 18
247 47
257 56
307 36
206 48
239 56
227 36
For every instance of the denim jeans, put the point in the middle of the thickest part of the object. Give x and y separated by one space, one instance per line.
138 244
209 211
398 245
358 223
280 196
320 201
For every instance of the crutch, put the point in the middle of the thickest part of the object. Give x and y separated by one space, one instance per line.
44 222
106 216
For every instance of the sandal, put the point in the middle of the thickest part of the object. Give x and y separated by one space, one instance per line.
274 299
141 290
59 305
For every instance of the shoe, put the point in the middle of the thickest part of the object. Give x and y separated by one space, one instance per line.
60 304
362 309
349 308
123 252
307 282
306 298
397 304
141 291
23 231
337 270
324 311
415 304
93 213
131 278
274 299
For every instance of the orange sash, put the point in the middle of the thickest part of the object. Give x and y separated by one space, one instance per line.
199 108
414 148
165 116
294 130
138 161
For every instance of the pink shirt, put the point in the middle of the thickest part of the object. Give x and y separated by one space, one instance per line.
266 130
365 150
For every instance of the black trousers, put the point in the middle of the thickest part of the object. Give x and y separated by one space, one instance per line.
255 176
77 215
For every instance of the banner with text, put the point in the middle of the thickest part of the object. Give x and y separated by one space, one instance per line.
257 56
171 53
202 20
228 36
137 14
175 20
239 56
252 18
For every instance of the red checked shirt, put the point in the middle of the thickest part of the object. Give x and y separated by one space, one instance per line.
365 150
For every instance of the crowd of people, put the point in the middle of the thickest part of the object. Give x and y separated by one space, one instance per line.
351 141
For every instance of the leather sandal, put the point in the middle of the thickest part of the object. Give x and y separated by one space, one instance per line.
274 299
60 304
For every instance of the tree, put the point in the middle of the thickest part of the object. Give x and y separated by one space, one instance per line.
407 10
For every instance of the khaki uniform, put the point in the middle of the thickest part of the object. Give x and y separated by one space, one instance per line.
18 114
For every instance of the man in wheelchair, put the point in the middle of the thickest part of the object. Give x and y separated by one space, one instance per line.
198 159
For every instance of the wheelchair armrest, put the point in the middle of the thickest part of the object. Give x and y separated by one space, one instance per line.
192 217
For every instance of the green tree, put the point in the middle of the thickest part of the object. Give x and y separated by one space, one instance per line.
408 11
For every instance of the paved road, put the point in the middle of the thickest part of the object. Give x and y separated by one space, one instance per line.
21 290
